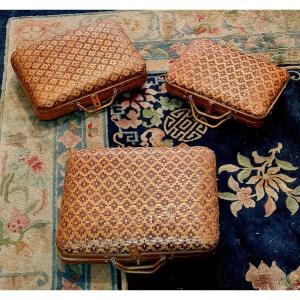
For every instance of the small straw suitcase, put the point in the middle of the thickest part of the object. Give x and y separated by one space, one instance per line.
225 83
78 69
138 207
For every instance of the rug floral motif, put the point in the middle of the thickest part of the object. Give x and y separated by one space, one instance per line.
258 170
264 277
267 180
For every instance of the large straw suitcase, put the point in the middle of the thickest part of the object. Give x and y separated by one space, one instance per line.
226 84
81 68
138 207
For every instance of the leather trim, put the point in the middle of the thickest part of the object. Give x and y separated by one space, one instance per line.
215 107
89 258
68 107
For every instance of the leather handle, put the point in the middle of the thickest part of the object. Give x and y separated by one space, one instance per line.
195 110
98 106
141 269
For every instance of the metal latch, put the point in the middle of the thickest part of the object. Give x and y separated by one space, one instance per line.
95 99
135 253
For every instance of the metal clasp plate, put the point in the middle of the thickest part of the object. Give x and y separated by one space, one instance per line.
95 99
135 252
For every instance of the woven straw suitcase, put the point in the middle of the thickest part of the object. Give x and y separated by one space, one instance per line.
81 68
226 84
138 207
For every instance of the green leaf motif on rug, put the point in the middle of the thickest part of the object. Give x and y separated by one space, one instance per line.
170 104
37 225
243 160
265 177
285 165
32 205
26 170
292 205
168 143
155 115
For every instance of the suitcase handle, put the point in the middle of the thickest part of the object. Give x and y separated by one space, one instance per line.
143 269
195 110
97 103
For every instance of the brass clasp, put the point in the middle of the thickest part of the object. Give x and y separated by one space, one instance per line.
135 253
95 99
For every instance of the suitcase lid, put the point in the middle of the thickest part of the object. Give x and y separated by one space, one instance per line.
157 199
77 63
228 77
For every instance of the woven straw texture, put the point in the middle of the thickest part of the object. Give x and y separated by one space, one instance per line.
228 77
77 63
159 199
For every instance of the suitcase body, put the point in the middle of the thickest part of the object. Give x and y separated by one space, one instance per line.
138 207
226 84
81 68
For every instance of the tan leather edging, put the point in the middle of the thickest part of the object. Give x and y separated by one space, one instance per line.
68 107
91 258
221 108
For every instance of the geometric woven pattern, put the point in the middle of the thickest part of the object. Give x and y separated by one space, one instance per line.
77 63
159 199
228 77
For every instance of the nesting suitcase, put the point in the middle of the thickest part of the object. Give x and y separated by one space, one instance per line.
225 83
138 207
78 69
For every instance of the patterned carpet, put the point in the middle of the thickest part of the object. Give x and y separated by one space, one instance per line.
258 170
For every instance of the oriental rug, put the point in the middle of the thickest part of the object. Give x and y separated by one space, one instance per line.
258 169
